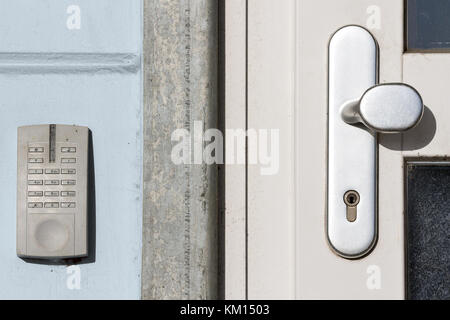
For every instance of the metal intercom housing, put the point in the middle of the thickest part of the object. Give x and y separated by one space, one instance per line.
52 191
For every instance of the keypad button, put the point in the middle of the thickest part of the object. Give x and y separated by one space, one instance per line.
35 160
35 193
51 193
35 171
51 205
68 149
68 193
51 182
68 160
34 205
51 171
68 171
35 182
70 205
68 182
35 149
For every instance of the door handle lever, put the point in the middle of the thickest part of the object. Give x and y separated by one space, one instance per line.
354 96
386 108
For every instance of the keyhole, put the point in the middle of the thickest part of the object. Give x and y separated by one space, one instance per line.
351 200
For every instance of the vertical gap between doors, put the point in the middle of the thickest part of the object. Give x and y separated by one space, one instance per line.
246 150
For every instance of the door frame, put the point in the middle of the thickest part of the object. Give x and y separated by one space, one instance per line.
249 30
277 248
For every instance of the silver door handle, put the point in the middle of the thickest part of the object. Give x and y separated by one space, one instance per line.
354 96
387 108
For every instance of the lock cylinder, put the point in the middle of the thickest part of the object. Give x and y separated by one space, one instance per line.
351 200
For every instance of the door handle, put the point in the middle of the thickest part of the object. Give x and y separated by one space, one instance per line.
386 108
355 98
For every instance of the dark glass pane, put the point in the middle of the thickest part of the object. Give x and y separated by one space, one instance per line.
428 232
428 24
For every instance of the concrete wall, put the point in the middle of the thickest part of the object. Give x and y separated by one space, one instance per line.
92 76
180 248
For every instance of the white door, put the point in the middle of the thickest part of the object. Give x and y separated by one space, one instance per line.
277 77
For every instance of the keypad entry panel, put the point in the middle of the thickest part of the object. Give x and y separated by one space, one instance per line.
52 191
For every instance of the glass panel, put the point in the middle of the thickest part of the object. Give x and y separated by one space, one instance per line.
428 25
428 231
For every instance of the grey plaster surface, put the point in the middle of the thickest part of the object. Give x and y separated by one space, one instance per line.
180 201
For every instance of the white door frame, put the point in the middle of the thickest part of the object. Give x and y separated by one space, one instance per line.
259 76
276 77
235 175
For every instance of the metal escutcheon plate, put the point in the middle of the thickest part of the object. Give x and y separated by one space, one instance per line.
352 150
